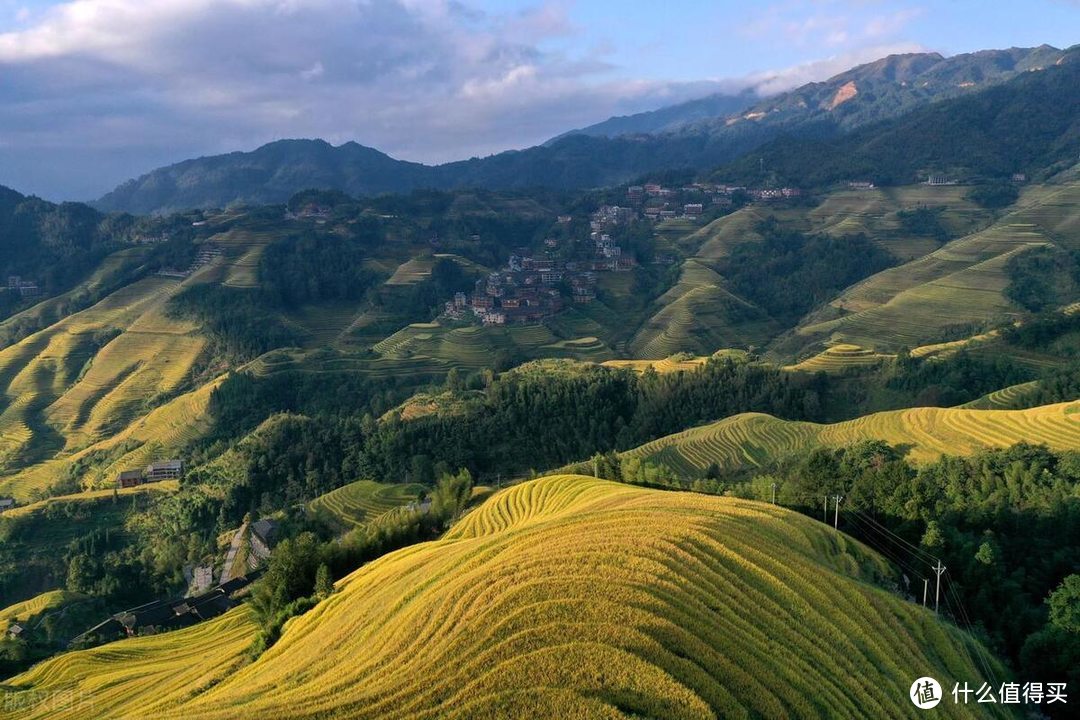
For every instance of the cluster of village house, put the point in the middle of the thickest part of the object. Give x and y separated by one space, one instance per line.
663 203
524 291
25 288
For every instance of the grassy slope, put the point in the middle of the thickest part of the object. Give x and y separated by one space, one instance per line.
566 596
752 439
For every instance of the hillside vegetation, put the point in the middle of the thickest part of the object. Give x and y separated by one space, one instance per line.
509 620
756 439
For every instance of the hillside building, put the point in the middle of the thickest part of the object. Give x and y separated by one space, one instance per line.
166 470
129 478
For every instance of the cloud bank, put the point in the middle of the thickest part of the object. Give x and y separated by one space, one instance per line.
96 91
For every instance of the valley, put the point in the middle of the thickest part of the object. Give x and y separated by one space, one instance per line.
672 422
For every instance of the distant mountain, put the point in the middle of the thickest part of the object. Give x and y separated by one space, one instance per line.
886 88
1030 124
870 93
270 174
668 118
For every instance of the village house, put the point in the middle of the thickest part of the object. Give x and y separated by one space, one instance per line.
6 503
165 470
861 185
693 209
263 537
25 288
564 219
129 478
15 631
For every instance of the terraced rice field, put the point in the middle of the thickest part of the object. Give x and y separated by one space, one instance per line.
561 597
243 251
840 358
698 315
473 346
1004 399
323 325
960 283
715 240
162 432
754 439
945 349
23 611
418 269
360 502
60 392
671 364
874 213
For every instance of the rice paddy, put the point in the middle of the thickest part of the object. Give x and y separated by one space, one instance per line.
472 346
561 597
86 377
698 315
960 283
361 501
27 609
840 358
755 439
418 269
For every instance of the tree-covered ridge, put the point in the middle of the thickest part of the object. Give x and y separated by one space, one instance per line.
1026 125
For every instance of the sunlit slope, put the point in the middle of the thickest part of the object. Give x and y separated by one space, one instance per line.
361 501
960 283
754 439
161 671
839 358
93 372
562 597
162 432
23 611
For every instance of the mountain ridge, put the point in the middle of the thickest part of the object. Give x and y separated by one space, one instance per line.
272 173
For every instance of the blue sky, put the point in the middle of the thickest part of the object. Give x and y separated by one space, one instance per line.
93 92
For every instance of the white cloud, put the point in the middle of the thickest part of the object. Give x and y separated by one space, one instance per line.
776 81
95 91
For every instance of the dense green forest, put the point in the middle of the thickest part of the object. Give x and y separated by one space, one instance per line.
790 273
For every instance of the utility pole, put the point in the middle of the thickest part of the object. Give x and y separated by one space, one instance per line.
774 493
836 518
595 468
825 514
925 585
939 568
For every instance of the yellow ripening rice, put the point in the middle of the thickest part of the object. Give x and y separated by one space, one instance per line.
754 439
565 597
